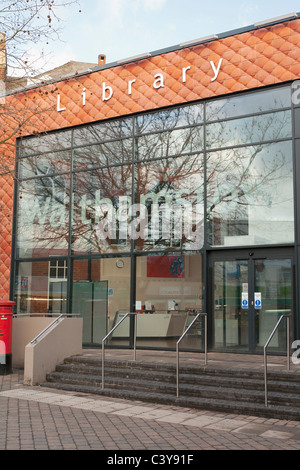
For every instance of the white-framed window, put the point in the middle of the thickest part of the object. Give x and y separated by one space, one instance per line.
58 269
57 296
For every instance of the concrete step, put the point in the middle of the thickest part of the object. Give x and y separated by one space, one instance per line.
223 390
234 390
184 368
200 377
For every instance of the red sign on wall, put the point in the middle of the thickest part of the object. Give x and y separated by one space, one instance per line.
165 266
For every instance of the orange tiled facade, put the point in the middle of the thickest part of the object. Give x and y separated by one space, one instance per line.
260 57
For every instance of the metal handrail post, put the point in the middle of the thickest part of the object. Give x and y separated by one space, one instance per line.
265 376
134 338
177 370
102 368
287 347
288 341
205 339
182 336
107 336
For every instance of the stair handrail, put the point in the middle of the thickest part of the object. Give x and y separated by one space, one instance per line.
201 314
108 335
51 324
267 344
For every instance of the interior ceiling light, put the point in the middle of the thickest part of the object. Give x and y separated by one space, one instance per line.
146 55
212 37
289 16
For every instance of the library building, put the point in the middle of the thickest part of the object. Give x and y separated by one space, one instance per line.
165 185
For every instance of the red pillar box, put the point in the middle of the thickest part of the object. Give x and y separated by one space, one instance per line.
6 315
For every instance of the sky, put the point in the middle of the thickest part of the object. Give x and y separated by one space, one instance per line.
126 28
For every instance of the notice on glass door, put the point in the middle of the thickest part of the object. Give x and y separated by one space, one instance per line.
244 300
257 300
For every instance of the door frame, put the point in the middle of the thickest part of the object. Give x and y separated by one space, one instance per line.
250 254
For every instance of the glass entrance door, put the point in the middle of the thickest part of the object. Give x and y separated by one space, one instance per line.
230 320
272 298
249 295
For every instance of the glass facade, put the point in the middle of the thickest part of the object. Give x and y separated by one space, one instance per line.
123 213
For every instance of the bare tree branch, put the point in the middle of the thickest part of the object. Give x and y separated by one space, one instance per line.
27 22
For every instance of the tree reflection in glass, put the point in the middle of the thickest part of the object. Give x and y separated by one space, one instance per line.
43 216
250 195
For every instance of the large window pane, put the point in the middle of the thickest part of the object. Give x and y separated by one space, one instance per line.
43 217
168 294
111 153
165 144
39 289
101 203
250 195
273 126
103 132
170 204
251 103
100 294
45 165
169 119
45 143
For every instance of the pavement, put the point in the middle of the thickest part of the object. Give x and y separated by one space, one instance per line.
38 418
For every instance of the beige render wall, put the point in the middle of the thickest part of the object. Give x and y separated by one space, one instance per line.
24 330
63 339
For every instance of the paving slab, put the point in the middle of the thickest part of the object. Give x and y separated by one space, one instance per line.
277 434
202 421
228 424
